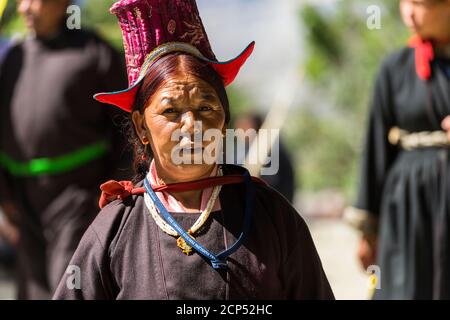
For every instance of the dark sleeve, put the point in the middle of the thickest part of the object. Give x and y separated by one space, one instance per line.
378 154
113 77
284 180
91 263
303 270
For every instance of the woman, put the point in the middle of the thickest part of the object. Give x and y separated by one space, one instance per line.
138 248
403 206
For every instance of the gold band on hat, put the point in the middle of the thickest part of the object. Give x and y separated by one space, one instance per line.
167 48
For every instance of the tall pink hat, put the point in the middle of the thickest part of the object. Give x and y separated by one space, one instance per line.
153 28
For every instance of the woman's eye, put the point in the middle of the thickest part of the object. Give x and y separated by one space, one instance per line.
205 108
169 110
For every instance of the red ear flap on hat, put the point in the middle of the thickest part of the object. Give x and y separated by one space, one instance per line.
230 69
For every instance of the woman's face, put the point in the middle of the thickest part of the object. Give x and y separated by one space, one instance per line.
180 103
428 18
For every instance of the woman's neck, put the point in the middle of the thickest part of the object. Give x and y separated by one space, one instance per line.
191 199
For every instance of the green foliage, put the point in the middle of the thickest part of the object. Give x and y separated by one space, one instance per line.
342 57
11 24
323 42
239 102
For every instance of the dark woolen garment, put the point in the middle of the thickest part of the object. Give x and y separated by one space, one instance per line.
47 111
125 255
408 190
284 180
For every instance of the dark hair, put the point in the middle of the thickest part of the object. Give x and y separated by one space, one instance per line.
158 74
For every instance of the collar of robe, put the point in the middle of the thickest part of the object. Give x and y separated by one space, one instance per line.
218 261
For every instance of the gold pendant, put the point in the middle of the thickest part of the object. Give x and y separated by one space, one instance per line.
181 243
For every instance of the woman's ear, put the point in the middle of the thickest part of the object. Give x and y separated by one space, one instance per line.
138 120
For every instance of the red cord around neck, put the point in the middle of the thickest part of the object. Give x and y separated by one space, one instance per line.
120 190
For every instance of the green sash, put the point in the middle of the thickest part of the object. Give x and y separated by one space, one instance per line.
52 166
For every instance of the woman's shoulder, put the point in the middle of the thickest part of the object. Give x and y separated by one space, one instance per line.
278 207
397 60
262 189
271 203
396 72
113 218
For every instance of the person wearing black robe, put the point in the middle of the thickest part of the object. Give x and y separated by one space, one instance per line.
56 142
403 203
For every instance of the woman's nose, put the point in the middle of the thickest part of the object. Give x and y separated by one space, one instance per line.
188 122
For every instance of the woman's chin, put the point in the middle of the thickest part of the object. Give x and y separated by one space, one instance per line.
192 171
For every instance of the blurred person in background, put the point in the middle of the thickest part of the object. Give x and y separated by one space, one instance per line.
8 232
284 180
55 140
403 207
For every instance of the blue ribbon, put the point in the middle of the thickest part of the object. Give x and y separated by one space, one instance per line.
217 261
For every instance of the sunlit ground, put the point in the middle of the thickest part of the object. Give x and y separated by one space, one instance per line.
7 287
337 243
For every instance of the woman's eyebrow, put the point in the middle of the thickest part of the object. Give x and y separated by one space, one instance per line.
167 100
208 96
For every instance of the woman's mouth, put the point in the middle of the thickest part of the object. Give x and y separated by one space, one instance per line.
194 150
191 146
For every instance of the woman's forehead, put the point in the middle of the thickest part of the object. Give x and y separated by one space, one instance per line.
185 86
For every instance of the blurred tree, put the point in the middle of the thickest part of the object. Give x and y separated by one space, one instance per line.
10 23
96 16
342 56
239 100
